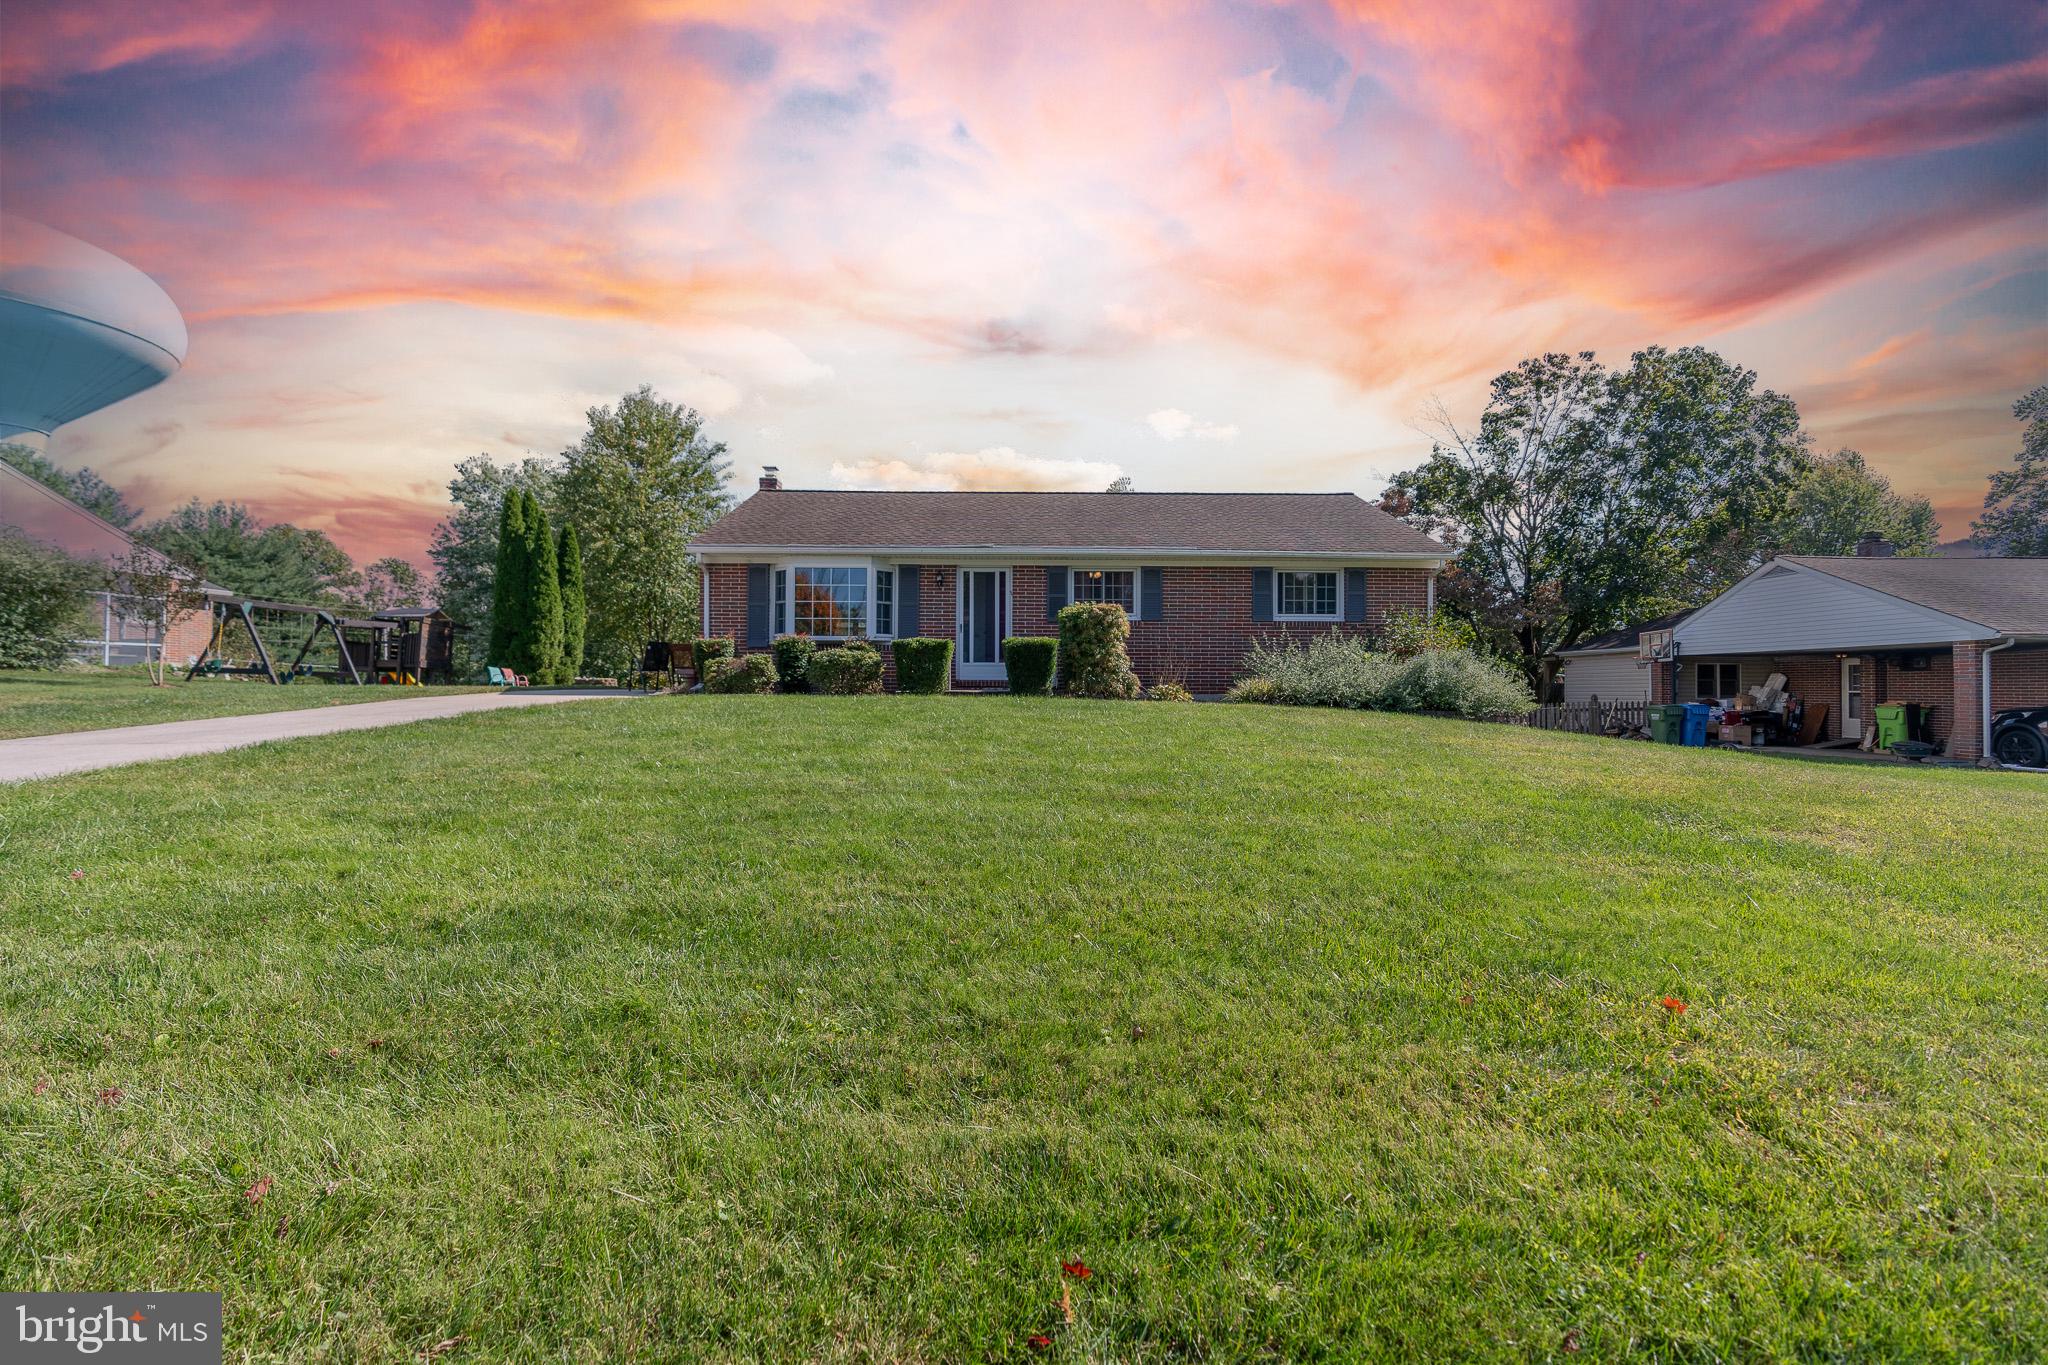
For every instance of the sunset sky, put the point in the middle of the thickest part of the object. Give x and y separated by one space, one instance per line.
1024 245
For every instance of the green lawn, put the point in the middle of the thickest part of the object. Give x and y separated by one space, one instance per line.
820 1028
94 699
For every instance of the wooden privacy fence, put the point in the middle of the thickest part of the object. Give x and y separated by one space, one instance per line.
1595 717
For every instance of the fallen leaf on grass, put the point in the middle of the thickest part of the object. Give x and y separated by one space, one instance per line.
1077 1269
42 1084
442 1348
112 1096
284 1222
77 874
1571 1342
376 1043
254 1194
334 1052
1039 1342
1675 1005
1066 1304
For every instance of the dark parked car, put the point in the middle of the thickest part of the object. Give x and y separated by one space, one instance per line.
2020 736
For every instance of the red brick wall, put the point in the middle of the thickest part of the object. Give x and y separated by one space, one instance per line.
186 637
1966 735
1207 627
2019 677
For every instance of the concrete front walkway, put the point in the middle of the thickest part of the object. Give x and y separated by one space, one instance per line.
80 751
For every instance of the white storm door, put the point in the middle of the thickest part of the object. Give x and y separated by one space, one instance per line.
984 620
1852 699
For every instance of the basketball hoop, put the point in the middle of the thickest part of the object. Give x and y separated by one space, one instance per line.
1656 647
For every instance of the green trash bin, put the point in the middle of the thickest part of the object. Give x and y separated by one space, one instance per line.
1667 724
1891 723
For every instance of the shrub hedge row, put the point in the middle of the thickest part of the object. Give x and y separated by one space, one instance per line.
854 670
703 651
792 655
1031 661
923 664
748 673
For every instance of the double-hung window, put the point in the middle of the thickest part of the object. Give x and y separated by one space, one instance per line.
1108 585
885 602
1305 596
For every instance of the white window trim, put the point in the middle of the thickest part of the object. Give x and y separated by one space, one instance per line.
785 608
1137 584
1279 615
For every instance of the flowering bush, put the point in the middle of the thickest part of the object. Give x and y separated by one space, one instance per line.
1093 661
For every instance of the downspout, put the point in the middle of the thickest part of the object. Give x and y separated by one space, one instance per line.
1984 679
704 603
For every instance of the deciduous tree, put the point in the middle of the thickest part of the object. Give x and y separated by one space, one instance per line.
81 485
2015 519
644 479
1585 495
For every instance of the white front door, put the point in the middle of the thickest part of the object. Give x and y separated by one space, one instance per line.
1852 699
984 619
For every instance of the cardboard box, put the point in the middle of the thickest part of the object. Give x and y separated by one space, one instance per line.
1738 734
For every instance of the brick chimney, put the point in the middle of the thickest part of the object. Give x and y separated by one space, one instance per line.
771 478
1871 546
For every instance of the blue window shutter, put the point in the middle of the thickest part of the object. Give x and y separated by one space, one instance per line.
1262 594
1354 595
758 593
907 584
1151 594
1055 591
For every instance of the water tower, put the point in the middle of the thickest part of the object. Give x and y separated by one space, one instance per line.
79 329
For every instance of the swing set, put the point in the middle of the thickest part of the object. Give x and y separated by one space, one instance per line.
214 660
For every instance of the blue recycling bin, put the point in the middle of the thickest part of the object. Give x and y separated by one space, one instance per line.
1695 731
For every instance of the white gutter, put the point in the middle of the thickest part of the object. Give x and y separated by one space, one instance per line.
1065 553
1984 677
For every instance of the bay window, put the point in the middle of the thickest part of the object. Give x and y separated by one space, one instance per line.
835 601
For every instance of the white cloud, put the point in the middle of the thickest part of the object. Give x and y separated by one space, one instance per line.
998 468
1172 424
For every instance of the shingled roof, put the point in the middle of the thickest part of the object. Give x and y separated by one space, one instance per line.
2009 596
1334 524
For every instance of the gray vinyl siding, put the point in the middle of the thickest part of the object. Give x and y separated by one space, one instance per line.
1788 610
1610 677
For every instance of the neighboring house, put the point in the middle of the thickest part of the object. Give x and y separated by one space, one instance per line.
1963 636
1607 666
44 515
1201 574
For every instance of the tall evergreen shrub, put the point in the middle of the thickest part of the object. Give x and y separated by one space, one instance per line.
508 583
569 566
544 596
1093 661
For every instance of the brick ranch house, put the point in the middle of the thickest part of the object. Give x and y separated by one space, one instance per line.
1202 574
1967 637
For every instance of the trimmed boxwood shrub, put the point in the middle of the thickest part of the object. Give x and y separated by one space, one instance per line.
1029 660
749 673
703 651
924 664
792 654
1093 660
854 670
